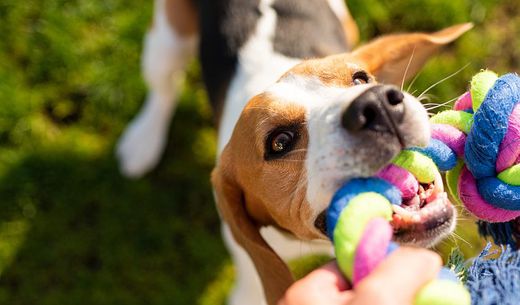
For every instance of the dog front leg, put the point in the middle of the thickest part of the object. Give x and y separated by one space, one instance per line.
167 51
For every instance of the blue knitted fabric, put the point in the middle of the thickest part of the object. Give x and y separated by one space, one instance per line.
495 281
499 193
440 153
351 189
490 126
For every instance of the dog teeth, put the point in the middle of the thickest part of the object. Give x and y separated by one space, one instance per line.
400 210
436 207
439 185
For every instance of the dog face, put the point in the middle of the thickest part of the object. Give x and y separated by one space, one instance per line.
324 122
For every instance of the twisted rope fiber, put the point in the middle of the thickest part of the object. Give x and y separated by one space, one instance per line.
487 179
358 220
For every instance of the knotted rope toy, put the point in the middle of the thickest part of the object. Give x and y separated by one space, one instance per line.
358 223
483 132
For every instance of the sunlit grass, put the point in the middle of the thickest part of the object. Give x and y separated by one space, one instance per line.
12 235
72 229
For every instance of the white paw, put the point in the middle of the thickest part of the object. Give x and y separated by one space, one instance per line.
141 145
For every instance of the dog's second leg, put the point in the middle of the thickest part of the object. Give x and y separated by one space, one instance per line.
168 47
339 7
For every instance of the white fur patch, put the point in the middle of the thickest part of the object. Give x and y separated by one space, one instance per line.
339 8
164 59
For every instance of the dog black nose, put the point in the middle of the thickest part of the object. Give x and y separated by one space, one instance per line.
380 108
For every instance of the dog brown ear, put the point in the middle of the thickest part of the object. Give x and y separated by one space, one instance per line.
273 272
388 57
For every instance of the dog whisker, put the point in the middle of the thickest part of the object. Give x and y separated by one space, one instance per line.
445 104
413 81
463 218
425 97
442 242
407 67
463 215
444 79
463 212
430 104
430 113
452 238
454 234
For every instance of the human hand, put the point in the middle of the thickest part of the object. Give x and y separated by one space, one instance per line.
394 282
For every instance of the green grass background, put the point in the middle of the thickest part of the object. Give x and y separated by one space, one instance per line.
72 230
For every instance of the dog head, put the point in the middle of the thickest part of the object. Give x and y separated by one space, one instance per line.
324 122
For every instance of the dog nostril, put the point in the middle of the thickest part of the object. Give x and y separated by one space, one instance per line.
363 113
394 97
358 116
369 115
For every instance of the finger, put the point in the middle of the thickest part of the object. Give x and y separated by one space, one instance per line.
325 285
297 295
400 276
330 275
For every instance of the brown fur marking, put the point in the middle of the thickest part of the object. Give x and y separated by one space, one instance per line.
182 16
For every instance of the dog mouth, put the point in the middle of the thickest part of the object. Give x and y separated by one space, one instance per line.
425 218
422 220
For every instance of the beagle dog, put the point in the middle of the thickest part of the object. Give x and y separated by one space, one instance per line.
323 122
294 122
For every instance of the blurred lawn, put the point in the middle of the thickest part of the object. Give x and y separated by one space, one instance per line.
72 230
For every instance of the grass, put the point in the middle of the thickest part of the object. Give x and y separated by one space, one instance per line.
72 230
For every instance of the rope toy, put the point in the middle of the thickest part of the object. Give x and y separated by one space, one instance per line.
483 132
358 219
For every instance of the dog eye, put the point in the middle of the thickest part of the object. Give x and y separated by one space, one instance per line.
360 77
279 143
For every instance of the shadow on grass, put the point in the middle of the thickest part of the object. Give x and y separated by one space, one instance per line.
79 233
